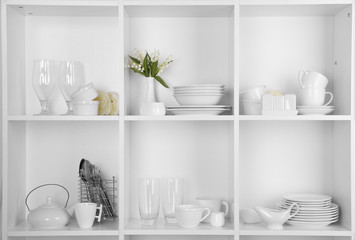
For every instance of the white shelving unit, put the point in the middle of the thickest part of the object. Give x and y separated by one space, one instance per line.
246 160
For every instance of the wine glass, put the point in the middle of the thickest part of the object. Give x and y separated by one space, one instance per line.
71 79
44 82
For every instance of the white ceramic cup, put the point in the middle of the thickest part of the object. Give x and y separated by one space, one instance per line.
86 213
253 93
309 79
190 216
214 204
313 97
217 219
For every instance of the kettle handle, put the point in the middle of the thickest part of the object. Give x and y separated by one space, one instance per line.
300 76
48 184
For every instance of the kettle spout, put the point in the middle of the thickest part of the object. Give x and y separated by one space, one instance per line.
70 209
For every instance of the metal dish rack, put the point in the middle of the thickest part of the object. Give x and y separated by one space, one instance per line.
100 191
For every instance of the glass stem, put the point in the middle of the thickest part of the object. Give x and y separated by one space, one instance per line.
70 108
44 106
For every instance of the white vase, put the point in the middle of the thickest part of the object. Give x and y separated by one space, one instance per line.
150 106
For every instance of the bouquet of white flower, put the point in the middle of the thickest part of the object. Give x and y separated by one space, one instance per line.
148 66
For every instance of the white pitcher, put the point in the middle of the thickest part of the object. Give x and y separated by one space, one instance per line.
310 79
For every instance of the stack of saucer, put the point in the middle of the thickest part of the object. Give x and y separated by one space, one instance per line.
315 110
314 209
198 99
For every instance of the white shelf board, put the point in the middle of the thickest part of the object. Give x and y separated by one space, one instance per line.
294 2
134 227
295 117
106 228
180 118
178 10
64 2
61 118
289 10
177 2
261 230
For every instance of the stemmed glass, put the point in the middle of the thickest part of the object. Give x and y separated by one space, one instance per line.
71 79
44 82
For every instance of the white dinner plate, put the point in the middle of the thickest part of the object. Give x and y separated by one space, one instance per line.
199 91
306 197
198 106
308 224
315 107
202 85
318 214
295 218
202 111
333 208
318 111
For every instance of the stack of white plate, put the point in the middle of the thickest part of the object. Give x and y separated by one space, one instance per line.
198 99
315 110
314 209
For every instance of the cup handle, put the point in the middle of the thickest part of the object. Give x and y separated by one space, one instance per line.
300 76
208 213
100 213
331 98
226 205
298 208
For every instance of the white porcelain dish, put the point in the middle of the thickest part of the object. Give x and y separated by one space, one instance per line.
198 106
86 108
197 111
86 93
200 86
315 111
308 224
187 99
318 107
198 91
307 197
254 93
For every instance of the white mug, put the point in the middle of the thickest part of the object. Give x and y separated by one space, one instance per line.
217 219
309 79
86 213
313 97
190 216
214 204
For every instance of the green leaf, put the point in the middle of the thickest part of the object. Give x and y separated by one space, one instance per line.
145 65
136 71
134 60
154 68
161 81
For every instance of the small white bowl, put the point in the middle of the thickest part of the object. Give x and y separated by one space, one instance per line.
192 99
254 93
86 93
86 108
251 107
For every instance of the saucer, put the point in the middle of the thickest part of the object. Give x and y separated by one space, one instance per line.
314 111
317 107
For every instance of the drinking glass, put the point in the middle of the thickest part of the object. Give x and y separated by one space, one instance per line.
44 82
71 79
149 200
171 196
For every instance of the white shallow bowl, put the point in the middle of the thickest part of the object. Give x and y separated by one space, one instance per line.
192 99
251 107
198 91
86 93
86 108
200 86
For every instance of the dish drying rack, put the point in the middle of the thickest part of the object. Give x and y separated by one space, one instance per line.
100 191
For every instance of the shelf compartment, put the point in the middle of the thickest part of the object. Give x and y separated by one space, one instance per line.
61 118
276 237
203 27
276 45
106 228
134 227
261 230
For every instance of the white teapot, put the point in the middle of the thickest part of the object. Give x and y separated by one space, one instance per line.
50 215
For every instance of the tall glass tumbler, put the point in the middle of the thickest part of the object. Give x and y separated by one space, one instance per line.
149 200
171 195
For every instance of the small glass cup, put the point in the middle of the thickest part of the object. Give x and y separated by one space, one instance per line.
171 195
149 200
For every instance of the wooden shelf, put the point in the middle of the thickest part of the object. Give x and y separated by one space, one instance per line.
134 227
106 228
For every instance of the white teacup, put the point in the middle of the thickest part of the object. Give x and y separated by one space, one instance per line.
86 213
214 204
309 79
190 216
313 97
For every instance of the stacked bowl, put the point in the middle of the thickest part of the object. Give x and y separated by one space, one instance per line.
198 99
314 209
251 99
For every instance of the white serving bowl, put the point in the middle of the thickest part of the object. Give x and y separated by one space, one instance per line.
87 108
251 107
198 91
254 93
195 99
86 93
